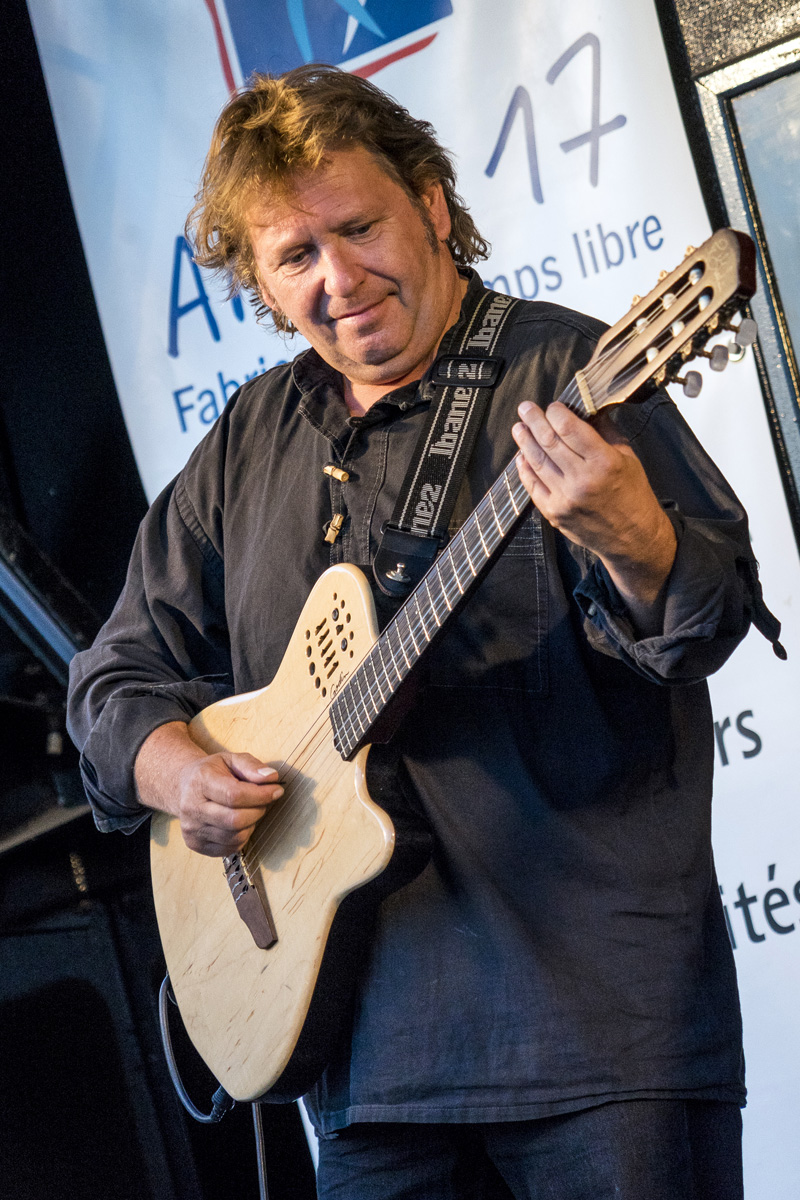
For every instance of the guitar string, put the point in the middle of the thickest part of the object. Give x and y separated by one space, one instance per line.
440 605
603 369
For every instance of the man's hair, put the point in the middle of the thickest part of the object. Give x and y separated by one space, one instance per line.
284 124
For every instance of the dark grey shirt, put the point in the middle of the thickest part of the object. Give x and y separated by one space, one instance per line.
566 943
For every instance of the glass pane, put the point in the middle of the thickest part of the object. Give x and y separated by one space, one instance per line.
769 125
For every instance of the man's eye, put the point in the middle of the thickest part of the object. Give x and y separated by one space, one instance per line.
296 258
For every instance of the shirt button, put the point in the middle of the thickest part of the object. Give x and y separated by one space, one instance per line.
592 610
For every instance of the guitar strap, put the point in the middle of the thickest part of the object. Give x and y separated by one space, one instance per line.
465 381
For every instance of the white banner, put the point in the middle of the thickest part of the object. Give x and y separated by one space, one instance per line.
572 155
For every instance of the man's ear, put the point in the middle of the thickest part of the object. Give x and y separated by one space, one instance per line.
433 199
266 296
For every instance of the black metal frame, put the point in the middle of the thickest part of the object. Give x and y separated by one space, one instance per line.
775 356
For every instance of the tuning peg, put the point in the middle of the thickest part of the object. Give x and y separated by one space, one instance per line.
689 250
717 358
636 300
745 334
692 383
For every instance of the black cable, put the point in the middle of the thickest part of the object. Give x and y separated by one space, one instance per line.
221 1102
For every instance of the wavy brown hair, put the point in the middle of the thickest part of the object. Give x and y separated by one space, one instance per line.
282 124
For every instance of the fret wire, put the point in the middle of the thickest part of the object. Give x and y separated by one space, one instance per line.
417 650
336 722
480 532
356 729
345 713
401 639
419 614
443 586
462 545
469 558
426 581
364 699
353 730
446 580
494 533
458 581
494 510
371 662
437 595
385 672
359 683
386 641
418 623
368 709
367 698
446 558
452 552
390 631
510 493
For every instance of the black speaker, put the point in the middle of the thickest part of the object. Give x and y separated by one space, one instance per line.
89 1112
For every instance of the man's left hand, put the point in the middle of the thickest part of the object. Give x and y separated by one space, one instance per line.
593 489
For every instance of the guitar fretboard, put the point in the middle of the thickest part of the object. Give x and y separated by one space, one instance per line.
413 628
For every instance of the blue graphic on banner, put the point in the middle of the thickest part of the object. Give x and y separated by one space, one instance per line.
276 35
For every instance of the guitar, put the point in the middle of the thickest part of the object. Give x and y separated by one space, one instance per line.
262 947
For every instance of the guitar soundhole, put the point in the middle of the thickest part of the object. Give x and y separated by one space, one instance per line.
327 641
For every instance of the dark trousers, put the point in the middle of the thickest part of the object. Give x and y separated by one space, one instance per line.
626 1150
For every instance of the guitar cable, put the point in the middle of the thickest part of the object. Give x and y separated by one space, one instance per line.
221 1102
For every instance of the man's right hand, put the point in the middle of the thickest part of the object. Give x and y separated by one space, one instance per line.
218 798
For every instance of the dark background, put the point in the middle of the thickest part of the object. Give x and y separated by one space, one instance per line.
88 1107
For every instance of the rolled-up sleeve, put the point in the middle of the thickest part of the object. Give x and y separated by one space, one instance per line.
713 593
162 656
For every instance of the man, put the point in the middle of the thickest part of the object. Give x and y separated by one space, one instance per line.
554 994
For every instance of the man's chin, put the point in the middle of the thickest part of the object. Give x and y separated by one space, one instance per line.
376 363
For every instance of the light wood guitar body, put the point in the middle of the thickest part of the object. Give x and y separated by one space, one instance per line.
244 1007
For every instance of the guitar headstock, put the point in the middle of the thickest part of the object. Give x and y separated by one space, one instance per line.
673 322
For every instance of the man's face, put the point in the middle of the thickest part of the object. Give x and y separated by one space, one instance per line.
349 259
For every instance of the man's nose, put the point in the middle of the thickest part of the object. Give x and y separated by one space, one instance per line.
342 271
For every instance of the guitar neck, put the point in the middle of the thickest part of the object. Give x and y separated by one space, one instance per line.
423 615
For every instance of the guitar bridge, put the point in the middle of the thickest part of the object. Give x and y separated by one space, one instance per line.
251 905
